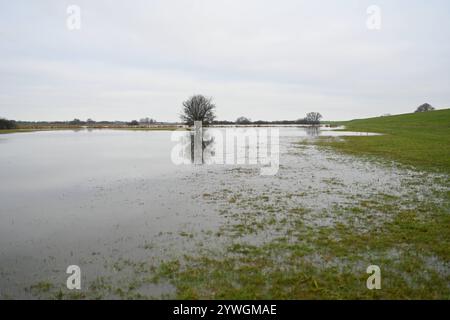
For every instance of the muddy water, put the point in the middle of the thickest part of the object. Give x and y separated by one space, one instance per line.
92 198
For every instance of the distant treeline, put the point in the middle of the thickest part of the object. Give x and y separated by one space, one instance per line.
7 124
75 122
136 123
89 122
146 122
311 118
263 122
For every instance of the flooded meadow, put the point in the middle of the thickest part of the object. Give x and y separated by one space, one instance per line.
114 203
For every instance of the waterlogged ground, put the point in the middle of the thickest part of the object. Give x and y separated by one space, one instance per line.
139 226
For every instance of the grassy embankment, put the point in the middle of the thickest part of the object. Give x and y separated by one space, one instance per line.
418 139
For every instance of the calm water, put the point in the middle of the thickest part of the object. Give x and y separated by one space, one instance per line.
89 197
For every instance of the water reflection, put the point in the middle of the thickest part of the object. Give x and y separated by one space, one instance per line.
213 140
207 145
312 131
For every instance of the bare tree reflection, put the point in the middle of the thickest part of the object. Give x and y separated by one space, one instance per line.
207 145
313 131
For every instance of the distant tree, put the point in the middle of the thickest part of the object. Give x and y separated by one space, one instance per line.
147 121
243 120
424 108
198 108
134 123
313 118
7 124
76 122
90 122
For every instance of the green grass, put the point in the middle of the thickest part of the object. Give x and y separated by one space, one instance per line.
418 139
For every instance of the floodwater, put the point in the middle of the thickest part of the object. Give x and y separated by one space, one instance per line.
91 198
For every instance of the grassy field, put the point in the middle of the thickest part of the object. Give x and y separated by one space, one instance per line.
418 139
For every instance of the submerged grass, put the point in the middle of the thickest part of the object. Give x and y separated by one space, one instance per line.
325 263
408 239
303 262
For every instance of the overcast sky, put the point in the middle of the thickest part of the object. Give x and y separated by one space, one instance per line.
266 60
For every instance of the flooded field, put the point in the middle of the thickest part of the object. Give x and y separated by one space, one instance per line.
139 226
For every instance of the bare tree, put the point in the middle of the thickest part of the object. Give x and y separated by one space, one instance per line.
313 117
424 108
198 108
